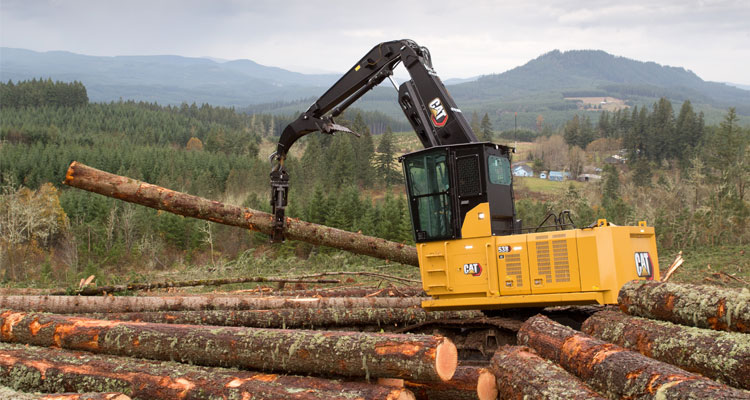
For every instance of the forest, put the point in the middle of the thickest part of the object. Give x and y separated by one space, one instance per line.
686 178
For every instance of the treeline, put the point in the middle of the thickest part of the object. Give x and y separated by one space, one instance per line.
41 92
654 134
688 179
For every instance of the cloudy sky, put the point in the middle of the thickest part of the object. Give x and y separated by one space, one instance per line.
466 38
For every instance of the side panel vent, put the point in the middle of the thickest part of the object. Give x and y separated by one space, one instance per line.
513 267
543 260
560 254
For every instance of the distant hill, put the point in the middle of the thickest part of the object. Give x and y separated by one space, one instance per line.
539 87
590 73
165 79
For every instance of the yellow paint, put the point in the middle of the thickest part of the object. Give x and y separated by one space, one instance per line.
474 226
356 68
576 266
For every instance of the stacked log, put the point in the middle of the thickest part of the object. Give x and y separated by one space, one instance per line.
353 354
468 383
134 191
286 318
616 371
82 305
522 374
702 306
32 368
8 393
724 356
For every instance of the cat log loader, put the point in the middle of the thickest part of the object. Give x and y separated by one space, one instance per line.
473 252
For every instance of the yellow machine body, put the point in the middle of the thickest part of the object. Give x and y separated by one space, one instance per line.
561 267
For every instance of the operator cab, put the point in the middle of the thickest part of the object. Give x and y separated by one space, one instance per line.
460 191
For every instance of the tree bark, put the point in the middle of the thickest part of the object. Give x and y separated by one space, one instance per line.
703 306
356 354
287 318
81 305
468 383
98 290
52 370
8 393
522 374
131 190
724 356
616 371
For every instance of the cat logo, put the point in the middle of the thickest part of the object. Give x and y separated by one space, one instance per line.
439 116
473 269
643 265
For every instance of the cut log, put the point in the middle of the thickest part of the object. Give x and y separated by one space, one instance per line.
468 383
97 290
615 371
703 306
355 354
399 291
287 318
84 396
8 393
52 370
521 374
81 305
131 190
724 356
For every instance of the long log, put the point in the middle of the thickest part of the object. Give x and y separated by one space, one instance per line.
723 356
406 291
703 306
98 290
287 318
353 354
8 393
146 194
468 383
81 305
522 374
615 371
52 370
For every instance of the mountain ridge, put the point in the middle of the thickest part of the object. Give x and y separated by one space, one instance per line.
538 86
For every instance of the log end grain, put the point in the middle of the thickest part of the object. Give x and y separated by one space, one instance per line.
486 385
392 382
446 359
405 395
69 173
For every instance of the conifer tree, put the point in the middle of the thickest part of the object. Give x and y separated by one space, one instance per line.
385 159
485 130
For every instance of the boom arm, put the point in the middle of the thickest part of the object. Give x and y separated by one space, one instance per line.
423 99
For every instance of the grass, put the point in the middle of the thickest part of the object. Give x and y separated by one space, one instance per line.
711 265
544 186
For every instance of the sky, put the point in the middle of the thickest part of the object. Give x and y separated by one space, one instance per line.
466 38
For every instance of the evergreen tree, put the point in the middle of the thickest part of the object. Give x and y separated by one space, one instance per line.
364 150
385 159
475 124
485 130
728 156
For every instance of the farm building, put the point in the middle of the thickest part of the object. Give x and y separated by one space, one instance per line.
522 170
558 175
543 175
589 177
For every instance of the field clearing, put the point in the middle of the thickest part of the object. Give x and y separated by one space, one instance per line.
544 186
607 103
